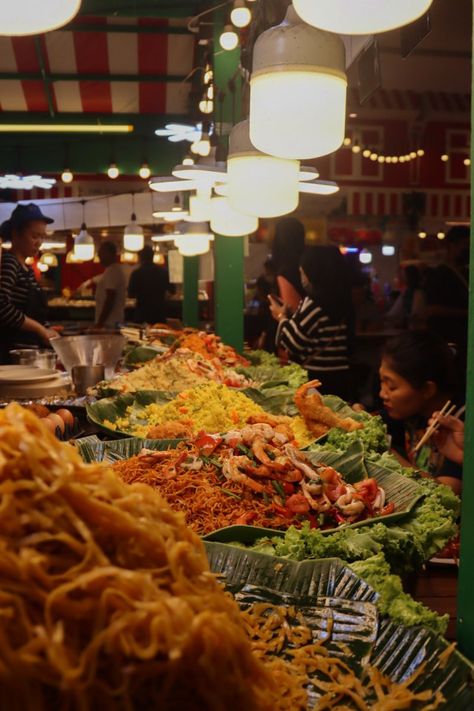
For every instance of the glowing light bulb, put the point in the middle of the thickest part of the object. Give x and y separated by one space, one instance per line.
347 141
84 247
373 156
420 152
467 161
297 69
440 235
366 153
365 257
445 157
422 234
144 171
133 236
356 148
381 159
240 15
67 176
229 38
360 17
188 160
206 106
113 172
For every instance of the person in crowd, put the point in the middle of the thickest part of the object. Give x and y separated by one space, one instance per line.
319 334
448 291
409 309
111 289
148 285
288 247
23 306
417 377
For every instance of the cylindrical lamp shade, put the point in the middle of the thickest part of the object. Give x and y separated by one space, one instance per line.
360 17
195 240
133 236
33 17
297 91
228 222
258 184
84 248
199 206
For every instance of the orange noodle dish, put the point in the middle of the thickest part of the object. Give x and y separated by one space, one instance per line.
210 346
255 476
107 602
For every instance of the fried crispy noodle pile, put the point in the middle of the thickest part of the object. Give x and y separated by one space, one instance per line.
106 599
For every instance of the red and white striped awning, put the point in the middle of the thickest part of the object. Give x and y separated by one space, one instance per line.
99 53
442 205
400 100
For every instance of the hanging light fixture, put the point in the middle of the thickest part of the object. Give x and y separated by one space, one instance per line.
113 171
144 171
228 222
200 205
297 90
195 240
360 17
188 160
229 38
176 213
133 235
240 15
258 184
67 176
203 147
31 17
84 248
206 105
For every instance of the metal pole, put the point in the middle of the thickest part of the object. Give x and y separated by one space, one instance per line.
465 610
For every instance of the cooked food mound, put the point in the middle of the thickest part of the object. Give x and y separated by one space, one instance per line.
106 598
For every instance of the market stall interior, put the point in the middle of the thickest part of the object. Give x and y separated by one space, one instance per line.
236 391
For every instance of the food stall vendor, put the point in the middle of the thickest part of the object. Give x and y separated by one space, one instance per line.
23 305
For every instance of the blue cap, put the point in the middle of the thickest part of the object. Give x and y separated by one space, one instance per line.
20 216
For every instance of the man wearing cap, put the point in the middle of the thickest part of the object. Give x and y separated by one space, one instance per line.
23 306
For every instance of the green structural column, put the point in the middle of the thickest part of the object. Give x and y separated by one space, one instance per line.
190 291
465 628
228 251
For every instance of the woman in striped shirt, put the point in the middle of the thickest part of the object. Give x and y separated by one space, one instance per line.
319 334
22 302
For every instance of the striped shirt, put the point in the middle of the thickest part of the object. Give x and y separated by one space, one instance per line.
15 284
313 339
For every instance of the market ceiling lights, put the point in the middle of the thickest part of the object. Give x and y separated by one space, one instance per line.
195 240
84 248
200 205
175 214
259 185
297 90
240 15
67 176
144 171
360 17
228 222
229 38
113 172
133 236
32 17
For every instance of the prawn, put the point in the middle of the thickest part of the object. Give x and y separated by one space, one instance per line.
231 470
261 451
318 417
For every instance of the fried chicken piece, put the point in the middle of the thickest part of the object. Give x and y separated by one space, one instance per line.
318 417
170 430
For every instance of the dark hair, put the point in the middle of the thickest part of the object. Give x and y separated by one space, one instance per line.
327 272
110 247
457 234
412 276
146 254
288 247
421 356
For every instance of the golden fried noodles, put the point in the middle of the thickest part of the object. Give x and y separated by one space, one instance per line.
106 599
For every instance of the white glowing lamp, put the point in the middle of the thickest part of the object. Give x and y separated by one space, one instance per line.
360 17
31 17
49 259
84 248
297 91
258 184
240 15
133 236
200 205
228 222
195 241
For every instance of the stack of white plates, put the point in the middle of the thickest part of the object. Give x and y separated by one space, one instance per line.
25 381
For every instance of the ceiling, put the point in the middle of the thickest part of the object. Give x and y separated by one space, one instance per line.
132 60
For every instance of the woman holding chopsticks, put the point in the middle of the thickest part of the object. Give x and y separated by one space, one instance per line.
418 379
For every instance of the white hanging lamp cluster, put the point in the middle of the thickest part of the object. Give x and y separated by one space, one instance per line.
200 205
297 90
33 17
133 236
229 222
195 241
176 213
360 17
258 184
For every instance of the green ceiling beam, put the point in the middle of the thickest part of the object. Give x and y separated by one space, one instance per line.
38 76
142 8
135 29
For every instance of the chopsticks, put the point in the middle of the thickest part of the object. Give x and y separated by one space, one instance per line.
447 410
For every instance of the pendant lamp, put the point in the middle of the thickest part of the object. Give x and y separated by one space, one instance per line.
84 248
360 17
195 240
228 222
200 205
297 90
133 236
258 184
33 17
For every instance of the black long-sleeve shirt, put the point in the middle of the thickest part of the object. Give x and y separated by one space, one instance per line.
15 284
313 339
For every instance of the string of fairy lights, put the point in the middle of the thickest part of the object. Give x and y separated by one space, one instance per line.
375 156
